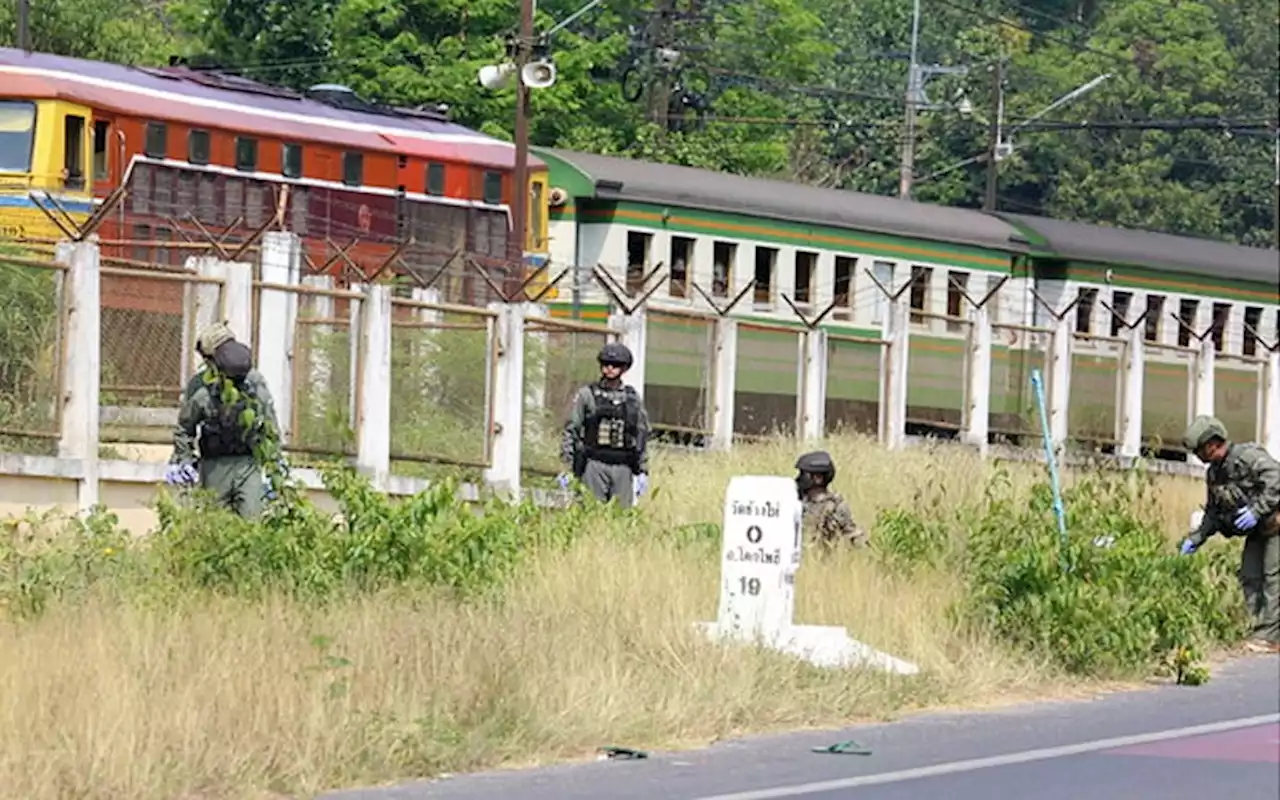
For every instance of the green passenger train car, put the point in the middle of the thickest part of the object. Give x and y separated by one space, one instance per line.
698 239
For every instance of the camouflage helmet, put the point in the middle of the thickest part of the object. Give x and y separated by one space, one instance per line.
817 462
1201 430
213 337
616 354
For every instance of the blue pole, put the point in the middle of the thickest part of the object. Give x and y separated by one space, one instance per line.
1037 383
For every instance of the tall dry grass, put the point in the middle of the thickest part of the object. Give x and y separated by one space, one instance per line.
195 697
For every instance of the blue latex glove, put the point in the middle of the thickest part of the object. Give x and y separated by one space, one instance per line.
563 480
267 492
1246 519
181 475
642 483
1188 547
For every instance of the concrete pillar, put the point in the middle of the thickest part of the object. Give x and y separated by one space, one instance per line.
977 402
893 374
373 426
535 375
82 365
633 332
1130 388
811 391
277 320
1059 379
1269 413
724 379
1202 365
503 475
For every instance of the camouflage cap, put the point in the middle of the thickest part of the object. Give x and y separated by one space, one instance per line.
214 336
817 461
1202 429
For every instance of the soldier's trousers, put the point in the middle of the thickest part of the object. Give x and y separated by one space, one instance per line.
236 482
610 481
1260 579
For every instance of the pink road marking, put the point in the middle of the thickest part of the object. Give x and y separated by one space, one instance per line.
1260 744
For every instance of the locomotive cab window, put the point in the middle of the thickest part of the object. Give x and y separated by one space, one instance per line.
493 188
435 178
198 147
101 150
353 169
156 140
17 135
291 160
246 154
73 151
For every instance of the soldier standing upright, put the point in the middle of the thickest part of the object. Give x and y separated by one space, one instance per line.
827 517
1243 500
605 439
228 406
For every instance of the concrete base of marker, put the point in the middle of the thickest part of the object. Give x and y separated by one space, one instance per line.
821 645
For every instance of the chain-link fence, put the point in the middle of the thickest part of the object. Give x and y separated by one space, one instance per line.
32 324
1166 389
1092 410
766 377
559 358
442 376
853 383
1016 350
679 374
325 370
936 367
150 319
1237 395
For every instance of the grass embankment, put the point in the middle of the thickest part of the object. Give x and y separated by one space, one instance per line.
221 659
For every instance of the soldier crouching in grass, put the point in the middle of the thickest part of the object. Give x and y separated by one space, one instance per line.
827 518
228 405
1243 500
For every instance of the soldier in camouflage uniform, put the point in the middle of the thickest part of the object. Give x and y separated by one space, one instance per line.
605 438
827 518
1243 500
228 406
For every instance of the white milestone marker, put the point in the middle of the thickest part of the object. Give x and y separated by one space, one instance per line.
760 556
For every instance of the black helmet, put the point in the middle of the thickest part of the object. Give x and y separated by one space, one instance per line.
615 353
817 462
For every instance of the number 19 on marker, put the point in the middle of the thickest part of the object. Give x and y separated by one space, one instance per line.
750 586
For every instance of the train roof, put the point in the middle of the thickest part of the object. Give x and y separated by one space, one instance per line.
229 102
614 178
1110 245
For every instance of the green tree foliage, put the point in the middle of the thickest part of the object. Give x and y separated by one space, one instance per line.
810 90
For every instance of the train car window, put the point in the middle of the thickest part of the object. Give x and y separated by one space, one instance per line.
1187 314
1119 313
1221 317
435 178
1153 322
73 151
638 244
246 154
291 160
101 152
17 135
957 285
198 146
1252 327
681 258
845 269
725 255
156 140
806 266
923 277
353 169
493 188
1084 309
766 266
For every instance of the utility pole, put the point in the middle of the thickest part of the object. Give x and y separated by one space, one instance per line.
993 154
1275 201
660 88
520 193
24 29
909 129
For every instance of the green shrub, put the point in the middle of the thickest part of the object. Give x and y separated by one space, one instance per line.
1115 599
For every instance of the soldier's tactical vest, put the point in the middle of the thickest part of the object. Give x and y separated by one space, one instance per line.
1229 483
225 435
613 429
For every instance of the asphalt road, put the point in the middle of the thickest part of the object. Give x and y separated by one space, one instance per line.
1221 740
